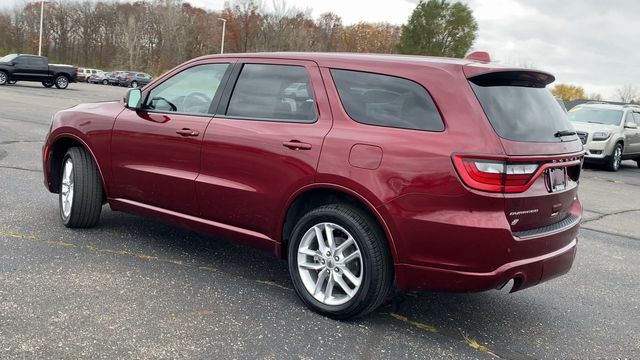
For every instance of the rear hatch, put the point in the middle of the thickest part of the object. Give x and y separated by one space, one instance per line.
540 170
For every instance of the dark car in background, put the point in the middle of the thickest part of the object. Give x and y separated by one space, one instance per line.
112 78
134 79
22 67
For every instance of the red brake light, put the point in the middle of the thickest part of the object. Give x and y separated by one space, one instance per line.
495 174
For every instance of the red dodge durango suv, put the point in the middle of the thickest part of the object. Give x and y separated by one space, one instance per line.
364 172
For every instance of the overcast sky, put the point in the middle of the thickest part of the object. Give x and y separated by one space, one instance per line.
591 43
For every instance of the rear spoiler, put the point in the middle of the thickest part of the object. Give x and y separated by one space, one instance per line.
491 75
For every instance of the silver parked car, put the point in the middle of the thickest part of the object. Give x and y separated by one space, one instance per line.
610 133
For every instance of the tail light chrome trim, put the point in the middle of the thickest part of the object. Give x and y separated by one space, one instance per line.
504 174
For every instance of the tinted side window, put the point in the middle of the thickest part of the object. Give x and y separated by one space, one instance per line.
384 100
265 91
629 117
189 92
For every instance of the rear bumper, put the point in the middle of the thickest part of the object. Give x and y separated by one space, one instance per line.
525 273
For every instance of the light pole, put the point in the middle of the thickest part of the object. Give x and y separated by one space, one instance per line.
224 27
41 20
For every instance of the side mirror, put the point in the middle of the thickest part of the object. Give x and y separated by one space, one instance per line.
132 99
631 125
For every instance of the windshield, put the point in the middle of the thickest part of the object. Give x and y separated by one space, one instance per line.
520 113
595 115
8 58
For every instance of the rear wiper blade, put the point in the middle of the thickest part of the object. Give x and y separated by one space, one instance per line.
564 133
595 122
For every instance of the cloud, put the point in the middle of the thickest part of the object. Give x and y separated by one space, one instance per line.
588 43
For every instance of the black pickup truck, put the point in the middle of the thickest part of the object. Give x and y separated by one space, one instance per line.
20 67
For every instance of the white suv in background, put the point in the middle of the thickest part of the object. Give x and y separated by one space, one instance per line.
610 133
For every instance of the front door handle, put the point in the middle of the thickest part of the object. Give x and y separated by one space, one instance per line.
296 145
187 132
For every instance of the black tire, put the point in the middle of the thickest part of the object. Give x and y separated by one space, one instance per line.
47 84
614 161
377 264
4 78
61 82
134 84
105 82
86 201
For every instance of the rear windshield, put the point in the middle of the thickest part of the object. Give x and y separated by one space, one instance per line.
521 113
595 115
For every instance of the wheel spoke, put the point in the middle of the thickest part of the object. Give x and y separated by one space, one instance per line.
328 291
321 277
343 285
309 252
344 245
354 280
328 230
311 266
354 255
321 245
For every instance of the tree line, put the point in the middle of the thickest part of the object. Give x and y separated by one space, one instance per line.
156 35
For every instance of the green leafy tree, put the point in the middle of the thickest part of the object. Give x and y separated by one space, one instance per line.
439 28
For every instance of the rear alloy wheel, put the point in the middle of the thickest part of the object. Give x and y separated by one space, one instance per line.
61 82
80 194
3 78
47 84
105 82
616 158
339 261
12 82
134 84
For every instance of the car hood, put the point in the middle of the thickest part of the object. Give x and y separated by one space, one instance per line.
592 127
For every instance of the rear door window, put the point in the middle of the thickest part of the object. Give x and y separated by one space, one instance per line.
383 100
522 111
272 92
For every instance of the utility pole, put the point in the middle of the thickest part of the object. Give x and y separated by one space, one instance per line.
224 27
41 20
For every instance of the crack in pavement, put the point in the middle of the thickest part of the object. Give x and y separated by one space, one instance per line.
604 215
452 334
9 142
19 168
624 236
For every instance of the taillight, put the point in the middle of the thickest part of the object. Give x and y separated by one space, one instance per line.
511 174
495 174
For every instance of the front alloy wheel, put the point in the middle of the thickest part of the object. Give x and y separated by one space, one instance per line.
80 194
66 189
616 158
3 78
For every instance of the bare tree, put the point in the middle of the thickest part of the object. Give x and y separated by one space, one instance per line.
627 93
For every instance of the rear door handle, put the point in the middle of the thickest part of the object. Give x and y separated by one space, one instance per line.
296 145
187 132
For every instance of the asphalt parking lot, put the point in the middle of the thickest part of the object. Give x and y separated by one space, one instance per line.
135 288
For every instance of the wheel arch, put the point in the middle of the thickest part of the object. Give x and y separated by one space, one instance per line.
55 154
316 195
